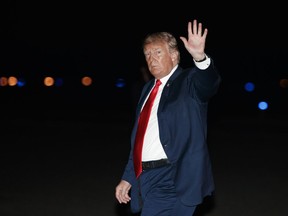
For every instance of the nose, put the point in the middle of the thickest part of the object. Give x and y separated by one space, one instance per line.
151 60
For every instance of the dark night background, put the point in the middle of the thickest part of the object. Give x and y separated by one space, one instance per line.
56 142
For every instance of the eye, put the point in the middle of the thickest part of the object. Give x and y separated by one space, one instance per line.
146 55
158 53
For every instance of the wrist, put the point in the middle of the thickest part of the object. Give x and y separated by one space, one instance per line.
201 60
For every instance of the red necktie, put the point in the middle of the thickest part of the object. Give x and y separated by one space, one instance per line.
142 125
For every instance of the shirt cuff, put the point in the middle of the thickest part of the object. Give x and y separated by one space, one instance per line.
203 64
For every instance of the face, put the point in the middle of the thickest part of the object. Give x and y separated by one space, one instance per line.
159 60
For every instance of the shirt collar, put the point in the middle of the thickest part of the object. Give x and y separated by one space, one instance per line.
165 79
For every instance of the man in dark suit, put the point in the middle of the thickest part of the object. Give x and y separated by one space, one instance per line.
176 168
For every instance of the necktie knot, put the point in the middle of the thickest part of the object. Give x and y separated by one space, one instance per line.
158 82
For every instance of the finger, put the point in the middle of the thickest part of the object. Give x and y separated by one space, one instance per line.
195 26
199 29
205 33
125 194
126 198
190 28
119 195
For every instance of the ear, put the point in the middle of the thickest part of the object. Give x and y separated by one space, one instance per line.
173 56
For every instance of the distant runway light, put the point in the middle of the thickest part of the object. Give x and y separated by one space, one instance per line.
21 82
3 81
249 86
284 83
263 105
12 81
59 82
120 83
86 81
48 81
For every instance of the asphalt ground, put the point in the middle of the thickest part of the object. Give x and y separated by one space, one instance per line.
67 163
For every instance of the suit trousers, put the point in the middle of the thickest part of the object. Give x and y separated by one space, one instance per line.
159 196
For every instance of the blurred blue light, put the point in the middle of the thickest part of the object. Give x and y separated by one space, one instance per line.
59 82
263 105
120 83
21 82
249 86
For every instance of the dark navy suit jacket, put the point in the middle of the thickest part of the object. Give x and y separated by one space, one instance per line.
182 119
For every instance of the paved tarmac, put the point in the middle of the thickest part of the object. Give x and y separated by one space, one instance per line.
61 164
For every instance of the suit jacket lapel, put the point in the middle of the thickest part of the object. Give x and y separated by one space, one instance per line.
167 87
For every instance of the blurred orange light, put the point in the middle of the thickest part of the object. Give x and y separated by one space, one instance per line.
86 81
284 83
3 81
12 81
48 81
